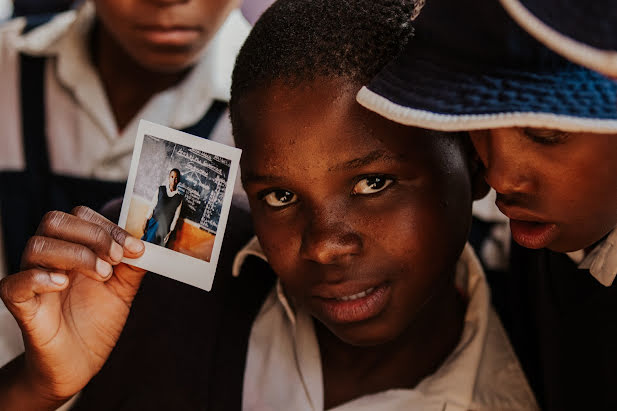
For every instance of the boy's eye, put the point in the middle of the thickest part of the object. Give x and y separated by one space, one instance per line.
371 185
546 136
279 198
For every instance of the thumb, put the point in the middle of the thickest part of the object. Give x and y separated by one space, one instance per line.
20 292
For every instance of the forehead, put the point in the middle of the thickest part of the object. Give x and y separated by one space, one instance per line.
320 123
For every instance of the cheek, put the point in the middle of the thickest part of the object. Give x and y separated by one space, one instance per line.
115 16
280 243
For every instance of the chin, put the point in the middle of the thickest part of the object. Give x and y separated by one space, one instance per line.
363 335
168 63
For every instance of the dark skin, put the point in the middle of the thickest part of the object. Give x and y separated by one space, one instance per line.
142 47
71 301
73 296
338 211
550 176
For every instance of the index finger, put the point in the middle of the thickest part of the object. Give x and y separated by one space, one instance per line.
132 245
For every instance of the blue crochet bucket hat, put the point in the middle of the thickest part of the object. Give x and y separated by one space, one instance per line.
582 31
470 66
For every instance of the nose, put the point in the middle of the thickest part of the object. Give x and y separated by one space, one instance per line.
168 2
329 239
505 160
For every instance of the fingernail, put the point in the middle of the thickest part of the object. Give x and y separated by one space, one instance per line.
133 245
58 279
103 268
116 252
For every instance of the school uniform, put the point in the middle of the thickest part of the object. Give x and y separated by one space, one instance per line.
166 210
562 324
60 145
244 346
559 309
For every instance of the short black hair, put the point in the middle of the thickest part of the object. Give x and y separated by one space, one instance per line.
177 172
296 41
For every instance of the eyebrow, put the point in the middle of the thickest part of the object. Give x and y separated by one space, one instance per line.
372 157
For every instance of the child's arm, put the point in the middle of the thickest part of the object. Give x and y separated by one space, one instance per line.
153 202
176 216
173 222
71 302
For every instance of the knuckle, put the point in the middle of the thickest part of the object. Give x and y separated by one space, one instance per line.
99 236
83 256
34 246
52 220
118 234
4 289
83 212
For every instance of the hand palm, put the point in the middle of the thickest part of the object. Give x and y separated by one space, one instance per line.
79 326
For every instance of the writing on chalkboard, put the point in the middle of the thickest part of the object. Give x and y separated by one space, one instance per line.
202 184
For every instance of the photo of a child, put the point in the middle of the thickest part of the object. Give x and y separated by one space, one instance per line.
164 212
177 197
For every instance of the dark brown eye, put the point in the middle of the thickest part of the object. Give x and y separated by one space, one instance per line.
371 185
279 198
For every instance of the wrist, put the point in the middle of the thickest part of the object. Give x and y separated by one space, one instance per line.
19 391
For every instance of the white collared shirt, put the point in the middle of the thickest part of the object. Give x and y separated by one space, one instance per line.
283 368
82 136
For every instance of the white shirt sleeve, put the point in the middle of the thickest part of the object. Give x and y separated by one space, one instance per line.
11 343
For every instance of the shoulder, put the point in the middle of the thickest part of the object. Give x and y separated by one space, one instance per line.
222 51
501 382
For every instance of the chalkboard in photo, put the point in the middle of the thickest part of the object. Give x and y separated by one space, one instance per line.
202 184
177 201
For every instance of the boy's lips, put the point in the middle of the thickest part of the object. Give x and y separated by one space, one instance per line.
348 307
528 230
533 235
169 35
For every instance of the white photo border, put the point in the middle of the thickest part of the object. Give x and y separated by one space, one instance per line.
163 261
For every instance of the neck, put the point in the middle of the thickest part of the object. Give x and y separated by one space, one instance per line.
350 372
128 85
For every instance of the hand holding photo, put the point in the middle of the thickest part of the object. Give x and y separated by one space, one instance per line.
177 200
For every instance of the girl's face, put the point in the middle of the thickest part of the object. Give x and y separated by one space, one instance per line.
163 35
361 235
174 178
558 189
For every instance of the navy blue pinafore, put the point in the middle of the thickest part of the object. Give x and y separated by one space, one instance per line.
25 196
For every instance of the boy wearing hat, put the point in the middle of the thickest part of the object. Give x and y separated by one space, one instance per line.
545 130
378 303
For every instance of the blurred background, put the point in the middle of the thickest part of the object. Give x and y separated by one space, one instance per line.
251 9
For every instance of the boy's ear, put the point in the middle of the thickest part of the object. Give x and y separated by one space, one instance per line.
479 187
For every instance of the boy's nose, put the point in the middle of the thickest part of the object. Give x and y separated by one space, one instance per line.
506 168
330 242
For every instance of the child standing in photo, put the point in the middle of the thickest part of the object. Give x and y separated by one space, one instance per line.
164 212
378 302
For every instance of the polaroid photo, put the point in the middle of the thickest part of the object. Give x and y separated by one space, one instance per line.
177 201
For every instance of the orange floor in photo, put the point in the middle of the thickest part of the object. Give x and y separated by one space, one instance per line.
190 239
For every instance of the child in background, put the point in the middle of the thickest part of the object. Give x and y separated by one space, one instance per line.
378 304
75 87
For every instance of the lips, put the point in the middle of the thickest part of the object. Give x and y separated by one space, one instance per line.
527 229
169 35
353 307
